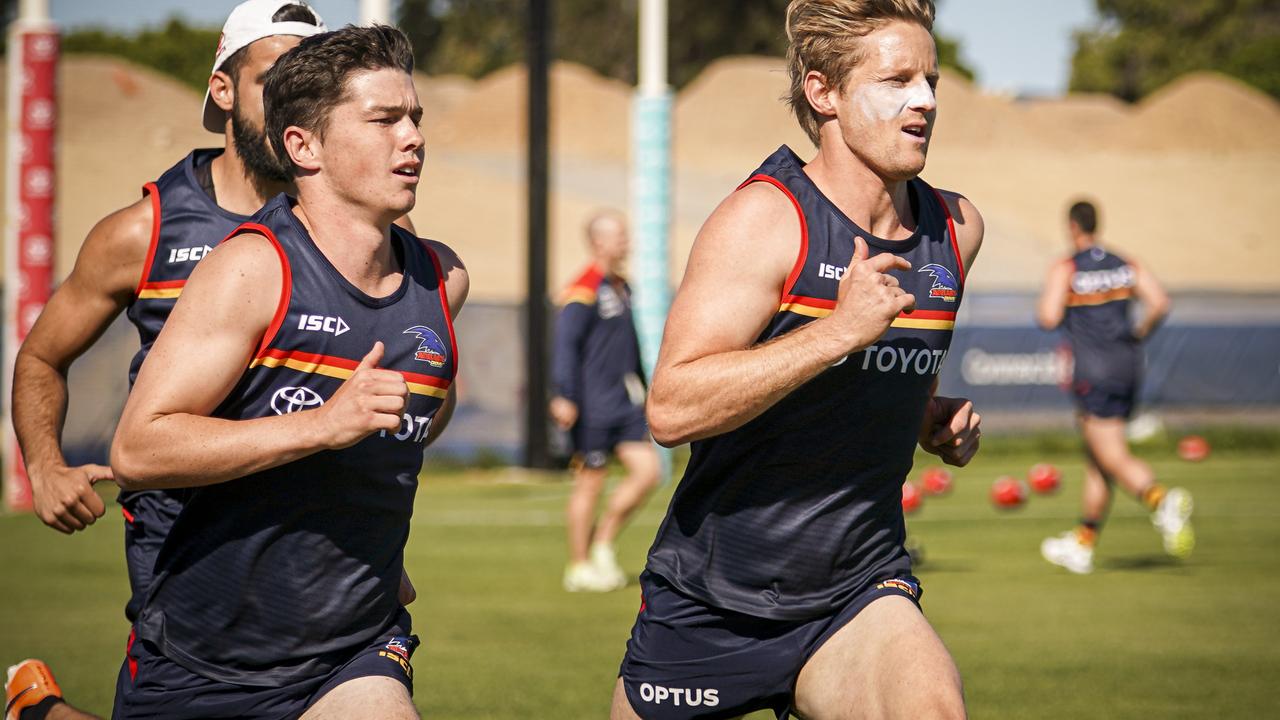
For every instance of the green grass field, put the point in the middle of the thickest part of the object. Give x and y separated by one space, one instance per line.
1143 637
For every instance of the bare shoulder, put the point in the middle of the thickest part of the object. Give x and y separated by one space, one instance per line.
248 262
457 281
760 206
115 250
222 315
1060 272
231 298
758 221
735 275
449 259
128 229
969 224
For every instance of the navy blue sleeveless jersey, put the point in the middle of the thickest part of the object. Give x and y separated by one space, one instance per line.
185 224
597 356
1098 320
796 512
280 576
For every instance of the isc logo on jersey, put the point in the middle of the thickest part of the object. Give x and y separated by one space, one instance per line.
830 272
188 254
323 323
691 697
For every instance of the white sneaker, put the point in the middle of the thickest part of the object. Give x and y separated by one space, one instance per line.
605 562
583 577
1067 551
1173 519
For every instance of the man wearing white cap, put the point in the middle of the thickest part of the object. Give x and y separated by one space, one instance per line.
137 260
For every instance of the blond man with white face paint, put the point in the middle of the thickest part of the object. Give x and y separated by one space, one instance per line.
800 360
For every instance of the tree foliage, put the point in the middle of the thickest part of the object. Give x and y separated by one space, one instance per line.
1143 44
8 13
175 48
474 37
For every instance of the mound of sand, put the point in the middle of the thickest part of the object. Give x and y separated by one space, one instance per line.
734 109
1182 174
588 114
1205 112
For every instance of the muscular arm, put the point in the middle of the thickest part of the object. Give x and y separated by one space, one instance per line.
1052 305
710 377
951 427
100 285
457 286
1155 301
970 228
166 437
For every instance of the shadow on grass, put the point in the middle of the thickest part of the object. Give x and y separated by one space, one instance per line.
1142 562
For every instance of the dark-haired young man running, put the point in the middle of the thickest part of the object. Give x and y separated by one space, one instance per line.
1091 296
136 261
306 365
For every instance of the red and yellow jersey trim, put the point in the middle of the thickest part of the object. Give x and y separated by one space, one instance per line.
161 289
807 306
152 192
926 320
820 308
444 301
1100 298
584 296
951 231
583 289
802 256
343 368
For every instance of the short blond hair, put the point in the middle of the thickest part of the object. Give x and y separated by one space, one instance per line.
824 35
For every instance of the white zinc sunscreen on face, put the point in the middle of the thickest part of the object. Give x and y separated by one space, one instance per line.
880 102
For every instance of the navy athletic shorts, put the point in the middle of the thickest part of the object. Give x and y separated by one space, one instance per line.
686 660
148 517
592 444
1106 399
153 686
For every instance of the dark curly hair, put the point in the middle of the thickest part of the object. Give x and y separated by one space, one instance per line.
307 82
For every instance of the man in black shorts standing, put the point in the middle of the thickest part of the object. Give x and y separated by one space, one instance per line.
1091 296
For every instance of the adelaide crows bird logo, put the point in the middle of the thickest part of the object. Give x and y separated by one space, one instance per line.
944 283
431 350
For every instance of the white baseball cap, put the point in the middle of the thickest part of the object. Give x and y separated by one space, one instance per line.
250 21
